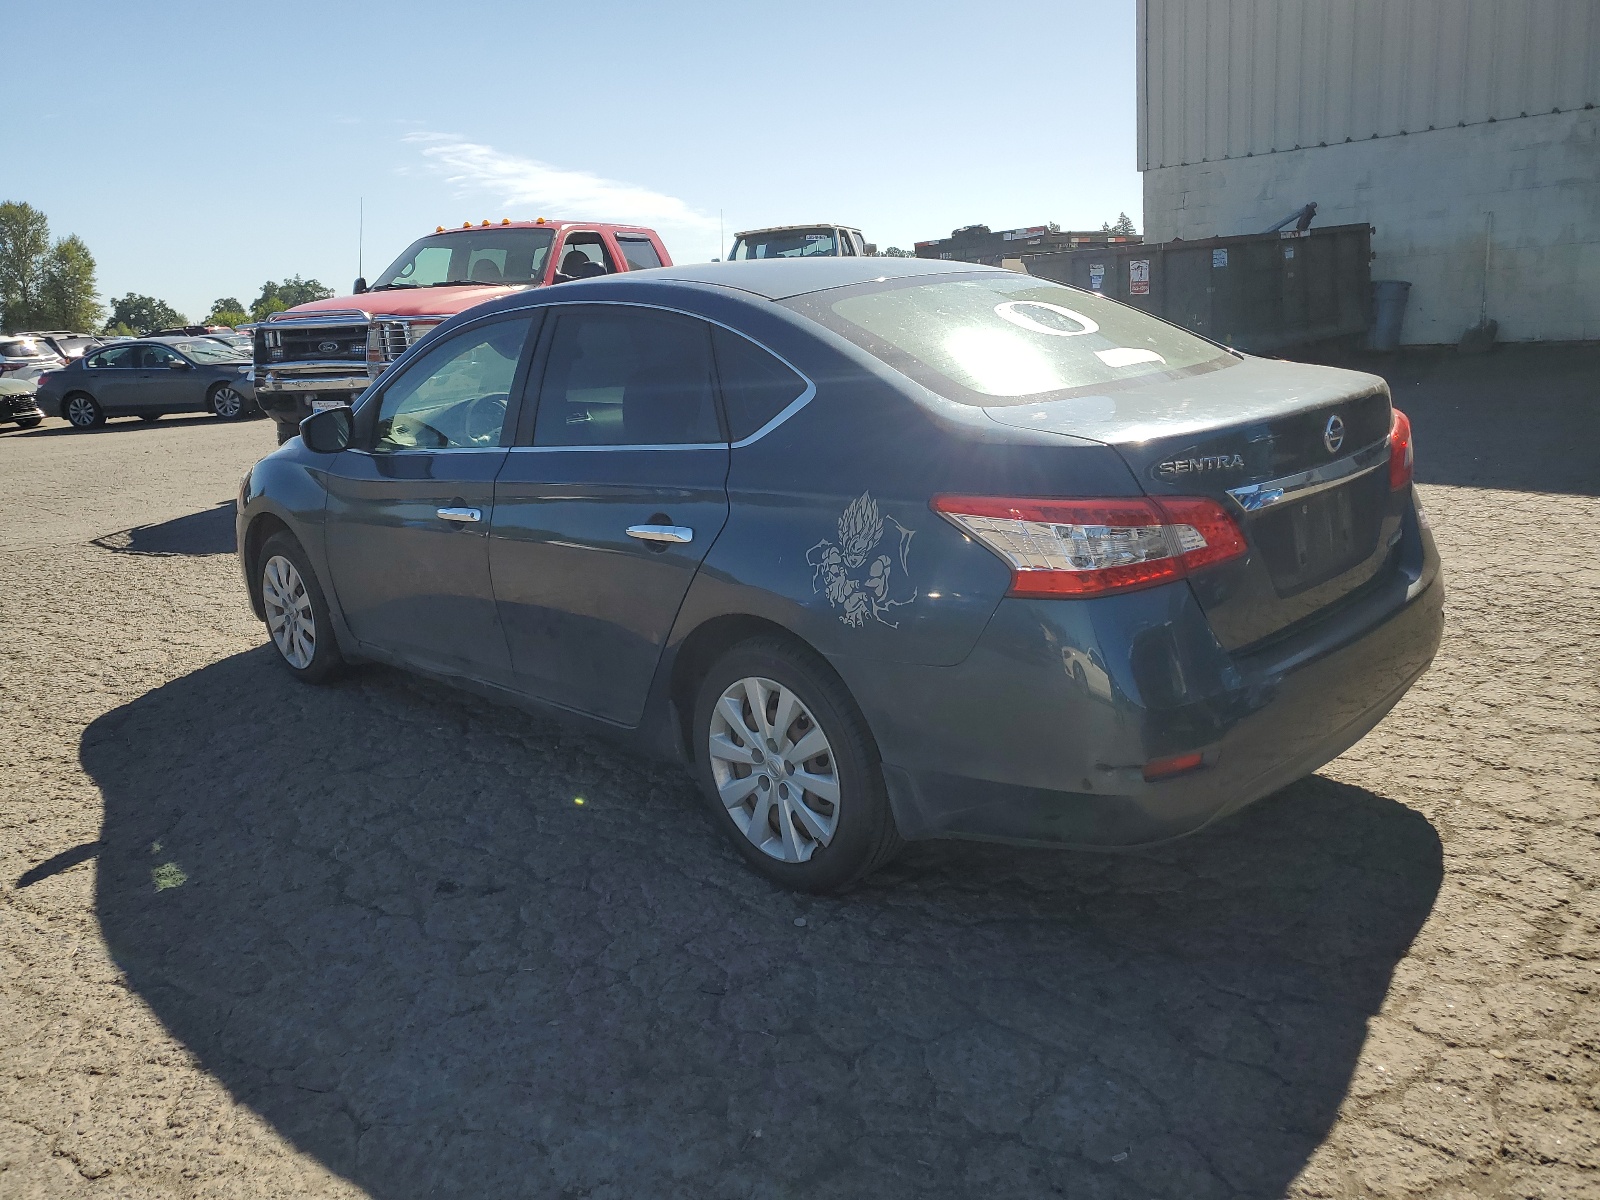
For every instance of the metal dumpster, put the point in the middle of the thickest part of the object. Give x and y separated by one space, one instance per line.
1260 292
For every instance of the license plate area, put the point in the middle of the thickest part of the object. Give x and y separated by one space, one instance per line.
323 405
1307 542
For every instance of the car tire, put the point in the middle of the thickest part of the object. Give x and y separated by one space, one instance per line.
29 422
820 836
299 624
227 402
83 411
151 418
285 431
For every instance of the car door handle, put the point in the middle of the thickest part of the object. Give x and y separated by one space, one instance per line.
467 516
675 535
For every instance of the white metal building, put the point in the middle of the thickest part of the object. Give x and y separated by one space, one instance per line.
1466 132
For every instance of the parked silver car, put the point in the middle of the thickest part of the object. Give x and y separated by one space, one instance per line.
23 358
149 378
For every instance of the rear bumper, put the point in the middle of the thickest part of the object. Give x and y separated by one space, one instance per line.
1041 735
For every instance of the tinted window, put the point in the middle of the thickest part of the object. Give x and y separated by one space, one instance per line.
640 253
755 386
122 356
156 357
627 377
785 244
455 395
492 255
983 338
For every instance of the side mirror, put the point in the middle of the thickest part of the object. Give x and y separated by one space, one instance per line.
179 364
360 285
328 431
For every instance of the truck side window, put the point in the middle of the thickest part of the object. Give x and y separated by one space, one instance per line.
581 249
847 246
639 253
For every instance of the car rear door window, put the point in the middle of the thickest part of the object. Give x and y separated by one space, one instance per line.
756 386
454 397
639 253
121 356
624 376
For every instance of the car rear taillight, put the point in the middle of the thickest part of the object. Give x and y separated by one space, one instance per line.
1401 454
1061 548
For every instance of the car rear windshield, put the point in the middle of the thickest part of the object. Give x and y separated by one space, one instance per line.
793 243
208 351
20 348
490 256
998 338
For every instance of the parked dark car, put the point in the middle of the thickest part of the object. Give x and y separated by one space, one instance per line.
149 378
19 403
882 548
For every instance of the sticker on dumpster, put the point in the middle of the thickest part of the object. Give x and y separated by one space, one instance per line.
1097 276
1288 251
1219 258
1139 277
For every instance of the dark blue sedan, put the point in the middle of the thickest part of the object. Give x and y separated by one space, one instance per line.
882 549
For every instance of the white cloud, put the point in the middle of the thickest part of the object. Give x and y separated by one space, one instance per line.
551 191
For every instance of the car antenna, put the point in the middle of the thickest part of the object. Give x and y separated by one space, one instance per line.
361 235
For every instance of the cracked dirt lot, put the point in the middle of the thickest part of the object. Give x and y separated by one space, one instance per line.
263 940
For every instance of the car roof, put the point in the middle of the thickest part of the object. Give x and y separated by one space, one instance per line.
793 228
783 278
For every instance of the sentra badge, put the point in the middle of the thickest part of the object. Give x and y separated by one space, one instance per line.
1199 466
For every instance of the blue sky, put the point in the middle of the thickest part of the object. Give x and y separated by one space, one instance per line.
200 149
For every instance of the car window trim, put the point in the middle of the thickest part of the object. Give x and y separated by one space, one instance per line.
782 415
375 394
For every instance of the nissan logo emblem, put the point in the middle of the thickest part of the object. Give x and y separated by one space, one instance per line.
1333 435
333 348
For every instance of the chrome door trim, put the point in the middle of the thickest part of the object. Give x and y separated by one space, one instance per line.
1253 497
466 516
672 535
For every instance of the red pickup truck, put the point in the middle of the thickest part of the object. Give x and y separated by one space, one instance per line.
325 353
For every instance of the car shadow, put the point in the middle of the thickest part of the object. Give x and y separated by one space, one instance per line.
454 949
210 531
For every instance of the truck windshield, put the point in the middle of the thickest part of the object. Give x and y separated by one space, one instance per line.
487 256
785 243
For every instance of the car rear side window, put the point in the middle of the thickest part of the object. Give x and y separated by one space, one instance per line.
122 356
618 376
755 385
640 253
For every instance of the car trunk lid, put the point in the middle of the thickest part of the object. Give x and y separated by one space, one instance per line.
1295 453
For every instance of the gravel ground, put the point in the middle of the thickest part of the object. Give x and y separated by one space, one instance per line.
258 939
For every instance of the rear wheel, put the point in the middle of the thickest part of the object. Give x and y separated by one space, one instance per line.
29 422
789 767
297 612
226 402
83 411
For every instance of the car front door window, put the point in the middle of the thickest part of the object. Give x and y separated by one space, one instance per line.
454 397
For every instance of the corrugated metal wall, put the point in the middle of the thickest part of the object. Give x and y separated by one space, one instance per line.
1224 79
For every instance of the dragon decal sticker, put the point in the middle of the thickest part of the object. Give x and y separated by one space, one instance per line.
855 578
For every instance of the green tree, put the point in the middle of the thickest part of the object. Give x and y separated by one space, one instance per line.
24 249
67 292
143 314
1122 228
896 252
226 311
275 297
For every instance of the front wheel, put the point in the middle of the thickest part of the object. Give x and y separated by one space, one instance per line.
83 412
790 769
226 402
29 422
297 612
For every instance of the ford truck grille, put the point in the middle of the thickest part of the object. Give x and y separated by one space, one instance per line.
327 343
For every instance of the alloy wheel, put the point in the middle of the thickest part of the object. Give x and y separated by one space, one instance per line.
81 412
774 769
226 402
289 617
